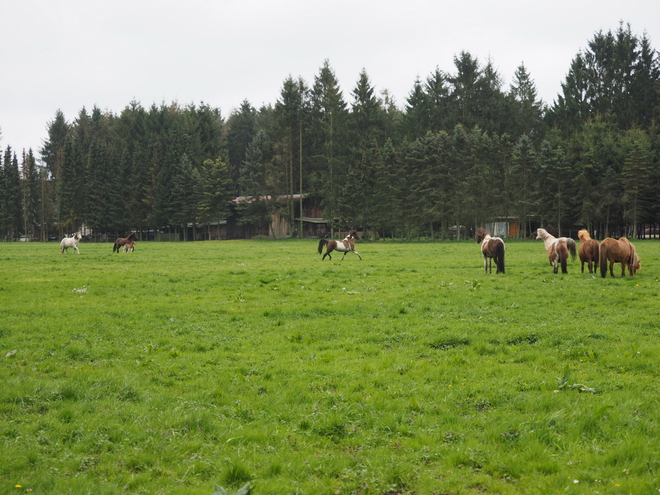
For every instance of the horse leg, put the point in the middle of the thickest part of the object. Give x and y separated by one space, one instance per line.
358 254
327 253
612 268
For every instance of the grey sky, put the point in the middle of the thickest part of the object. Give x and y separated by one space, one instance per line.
66 54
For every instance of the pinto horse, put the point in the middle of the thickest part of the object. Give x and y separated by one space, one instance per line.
345 246
129 246
588 251
621 251
557 249
70 242
122 241
492 248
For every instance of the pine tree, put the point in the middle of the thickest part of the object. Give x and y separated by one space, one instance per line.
30 193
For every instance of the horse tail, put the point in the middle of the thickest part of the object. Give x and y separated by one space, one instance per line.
602 255
115 247
570 243
322 243
499 259
562 251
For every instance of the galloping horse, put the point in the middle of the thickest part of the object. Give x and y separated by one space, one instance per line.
492 248
123 241
345 246
557 249
70 242
621 251
588 251
129 246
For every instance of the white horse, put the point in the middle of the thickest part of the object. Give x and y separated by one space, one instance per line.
70 242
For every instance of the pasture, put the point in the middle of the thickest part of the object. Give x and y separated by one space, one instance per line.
180 367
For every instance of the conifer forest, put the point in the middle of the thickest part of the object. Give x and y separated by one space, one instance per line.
464 148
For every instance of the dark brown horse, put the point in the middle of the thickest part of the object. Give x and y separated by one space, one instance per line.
492 248
123 241
621 251
345 246
588 251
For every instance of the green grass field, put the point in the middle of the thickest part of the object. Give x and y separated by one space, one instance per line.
180 367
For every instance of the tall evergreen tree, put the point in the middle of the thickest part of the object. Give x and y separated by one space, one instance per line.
10 196
30 193
329 121
241 130
51 151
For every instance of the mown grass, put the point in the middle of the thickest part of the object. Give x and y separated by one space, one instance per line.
184 366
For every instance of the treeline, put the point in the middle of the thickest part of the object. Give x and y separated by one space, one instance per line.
462 151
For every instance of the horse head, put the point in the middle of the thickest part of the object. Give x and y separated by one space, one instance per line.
353 234
541 234
481 234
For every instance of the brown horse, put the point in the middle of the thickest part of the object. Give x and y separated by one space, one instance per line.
345 246
129 246
621 251
588 251
492 248
557 249
558 255
123 241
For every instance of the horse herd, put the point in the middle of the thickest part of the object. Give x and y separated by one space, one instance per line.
591 252
492 249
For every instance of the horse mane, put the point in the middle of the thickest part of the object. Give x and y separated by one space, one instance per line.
583 235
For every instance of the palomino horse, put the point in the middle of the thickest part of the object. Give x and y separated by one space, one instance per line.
122 241
557 249
70 242
129 246
492 248
588 251
345 246
621 251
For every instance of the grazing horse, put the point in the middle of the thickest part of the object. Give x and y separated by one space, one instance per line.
557 249
122 241
621 251
129 246
588 251
70 242
492 248
345 246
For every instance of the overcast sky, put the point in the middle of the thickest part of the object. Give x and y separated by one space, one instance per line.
69 54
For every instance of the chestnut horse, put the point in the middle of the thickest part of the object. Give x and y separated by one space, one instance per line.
123 241
557 249
492 248
345 246
129 246
588 251
621 251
